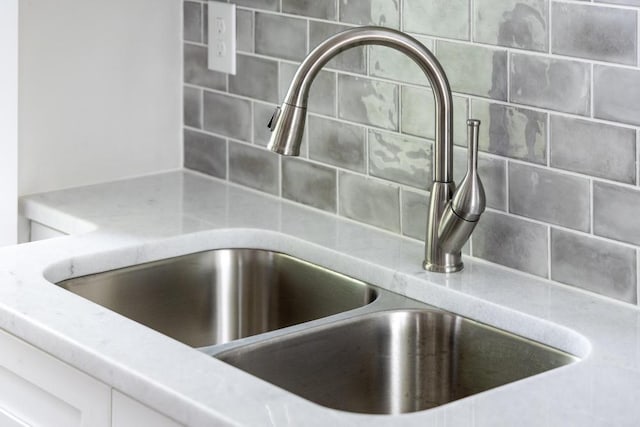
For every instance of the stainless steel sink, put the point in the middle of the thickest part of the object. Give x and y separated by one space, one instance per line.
217 296
395 361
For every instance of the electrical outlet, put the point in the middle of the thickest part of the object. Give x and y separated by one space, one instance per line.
222 37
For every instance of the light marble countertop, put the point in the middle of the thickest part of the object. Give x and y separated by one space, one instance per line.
149 218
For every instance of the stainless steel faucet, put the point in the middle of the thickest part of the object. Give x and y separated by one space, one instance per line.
452 215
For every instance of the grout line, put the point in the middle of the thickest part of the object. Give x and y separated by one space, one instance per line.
507 186
550 20
472 7
549 142
227 162
366 152
637 275
400 209
201 102
591 93
509 60
549 272
591 220
638 39
638 157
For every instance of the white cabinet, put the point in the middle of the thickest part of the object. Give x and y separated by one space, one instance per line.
37 389
127 412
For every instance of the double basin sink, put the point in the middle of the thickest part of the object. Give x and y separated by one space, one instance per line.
326 337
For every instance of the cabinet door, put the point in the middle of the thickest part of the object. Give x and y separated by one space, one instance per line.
37 389
131 413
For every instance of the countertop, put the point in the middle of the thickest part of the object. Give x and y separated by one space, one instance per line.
137 220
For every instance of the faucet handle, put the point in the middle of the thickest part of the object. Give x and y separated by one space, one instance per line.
469 200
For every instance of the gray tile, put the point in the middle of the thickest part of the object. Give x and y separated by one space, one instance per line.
196 71
192 21
192 107
205 23
256 78
593 148
391 64
512 23
323 9
244 26
401 159
227 115
353 60
414 214
336 143
259 4
549 196
616 92
254 167
368 101
384 13
322 95
493 174
602 33
369 201
605 268
419 112
556 84
512 242
615 212
280 36
443 18
474 69
205 153
261 115
514 132
310 184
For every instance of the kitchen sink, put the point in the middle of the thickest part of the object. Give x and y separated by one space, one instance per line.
218 296
395 361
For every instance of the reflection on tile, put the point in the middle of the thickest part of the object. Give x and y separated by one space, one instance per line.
385 13
512 132
192 21
323 9
322 95
369 201
592 264
256 78
368 101
309 183
473 69
414 214
615 212
405 160
593 148
443 18
196 71
227 116
336 143
602 33
389 63
192 107
353 60
615 94
512 23
512 242
254 167
419 112
549 196
205 153
280 36
557 84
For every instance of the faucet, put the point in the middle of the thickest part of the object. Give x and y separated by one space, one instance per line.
452 215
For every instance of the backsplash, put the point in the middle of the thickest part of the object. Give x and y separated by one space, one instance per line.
556 85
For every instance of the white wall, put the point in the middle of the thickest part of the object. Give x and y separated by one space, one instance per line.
100 95
8 121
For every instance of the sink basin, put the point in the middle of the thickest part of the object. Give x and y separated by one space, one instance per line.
395 361
218 296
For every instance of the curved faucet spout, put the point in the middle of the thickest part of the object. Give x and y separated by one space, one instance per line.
288 123
449 223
